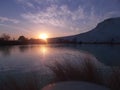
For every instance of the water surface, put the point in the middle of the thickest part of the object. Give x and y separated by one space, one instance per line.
27 62
34 57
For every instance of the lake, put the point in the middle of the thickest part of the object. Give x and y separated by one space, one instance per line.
25 59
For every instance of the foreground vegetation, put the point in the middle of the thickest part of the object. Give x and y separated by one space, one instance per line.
65 72
87 72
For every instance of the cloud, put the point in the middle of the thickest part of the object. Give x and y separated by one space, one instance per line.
48 1
26 3
56 16
5 19
63 17
30 4
78 16
36 3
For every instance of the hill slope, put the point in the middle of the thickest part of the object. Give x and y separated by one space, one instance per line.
106 31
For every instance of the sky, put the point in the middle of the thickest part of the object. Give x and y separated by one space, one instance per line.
54 17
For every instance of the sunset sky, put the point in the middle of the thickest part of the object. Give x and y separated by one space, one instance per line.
54 17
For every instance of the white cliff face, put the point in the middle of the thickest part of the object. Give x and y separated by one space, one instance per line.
106 31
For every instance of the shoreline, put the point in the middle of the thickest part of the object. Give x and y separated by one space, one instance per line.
28 42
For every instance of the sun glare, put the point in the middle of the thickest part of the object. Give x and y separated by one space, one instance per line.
43 36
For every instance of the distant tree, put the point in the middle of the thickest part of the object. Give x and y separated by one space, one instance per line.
13 39
1 39
5 36
22 38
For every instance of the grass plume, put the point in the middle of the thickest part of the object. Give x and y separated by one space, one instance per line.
65 71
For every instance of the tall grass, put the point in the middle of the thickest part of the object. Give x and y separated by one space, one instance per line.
28 83
64 71
114 80
87 71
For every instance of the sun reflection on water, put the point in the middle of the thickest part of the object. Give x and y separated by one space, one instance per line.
44 50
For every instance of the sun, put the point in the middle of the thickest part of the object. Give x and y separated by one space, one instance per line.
43 36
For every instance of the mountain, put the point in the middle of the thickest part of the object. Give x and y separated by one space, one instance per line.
106 31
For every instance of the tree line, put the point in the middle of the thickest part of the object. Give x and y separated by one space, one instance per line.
7 37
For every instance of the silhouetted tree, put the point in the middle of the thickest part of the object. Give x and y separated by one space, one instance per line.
1 39
5 36
22 38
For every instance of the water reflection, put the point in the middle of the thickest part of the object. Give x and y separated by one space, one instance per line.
24 58
6 50
34 58
43 53
31 53
23 48
43 50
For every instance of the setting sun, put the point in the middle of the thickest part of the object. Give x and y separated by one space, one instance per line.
43 36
